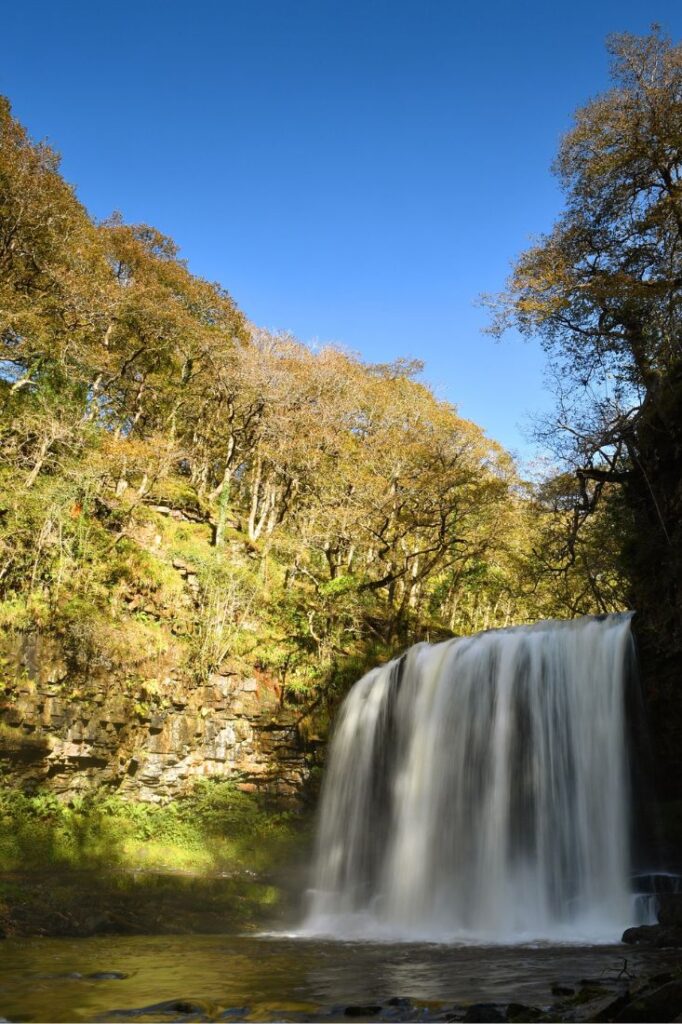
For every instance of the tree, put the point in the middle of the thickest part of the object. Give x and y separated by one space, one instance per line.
604 292
331 510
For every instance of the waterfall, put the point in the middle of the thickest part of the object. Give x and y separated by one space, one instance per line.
478 790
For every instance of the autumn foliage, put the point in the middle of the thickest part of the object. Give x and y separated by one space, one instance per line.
329 510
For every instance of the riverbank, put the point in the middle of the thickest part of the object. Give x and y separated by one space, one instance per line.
81 903
218 860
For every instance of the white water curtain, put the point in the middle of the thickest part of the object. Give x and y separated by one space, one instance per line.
477 790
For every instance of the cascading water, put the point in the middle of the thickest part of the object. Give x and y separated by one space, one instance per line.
478 790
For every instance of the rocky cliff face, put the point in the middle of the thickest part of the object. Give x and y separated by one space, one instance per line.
655 495
73 738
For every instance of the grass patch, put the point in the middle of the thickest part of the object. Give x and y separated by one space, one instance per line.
215 828
216 860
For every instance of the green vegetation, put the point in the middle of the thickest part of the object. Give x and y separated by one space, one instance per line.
216 828
212 860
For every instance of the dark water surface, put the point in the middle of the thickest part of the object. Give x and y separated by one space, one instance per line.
261 978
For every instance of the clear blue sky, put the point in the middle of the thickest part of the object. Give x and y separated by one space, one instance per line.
351 170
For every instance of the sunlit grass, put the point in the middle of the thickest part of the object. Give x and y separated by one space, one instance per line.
215 829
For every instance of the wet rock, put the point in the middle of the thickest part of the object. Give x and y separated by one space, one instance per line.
362 1011
521 1012
658 935
657 980
596 996
562 990
484 1013
179 1008
183 1006
642 933
609 1007
663 1004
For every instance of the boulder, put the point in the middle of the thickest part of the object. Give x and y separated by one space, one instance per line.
658 935
484 1013
663 1004
522 1013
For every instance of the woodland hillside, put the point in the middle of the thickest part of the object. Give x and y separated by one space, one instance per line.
325 511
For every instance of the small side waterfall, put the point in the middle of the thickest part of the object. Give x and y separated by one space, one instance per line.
478 790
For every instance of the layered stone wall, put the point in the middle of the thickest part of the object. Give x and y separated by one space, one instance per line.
72 740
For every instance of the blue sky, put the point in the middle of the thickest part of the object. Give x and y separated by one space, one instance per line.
355 172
